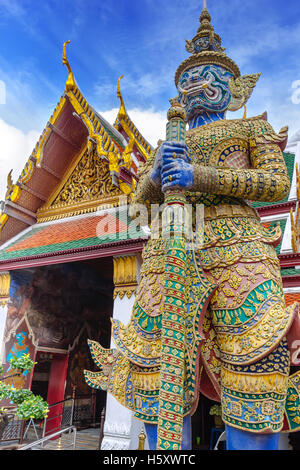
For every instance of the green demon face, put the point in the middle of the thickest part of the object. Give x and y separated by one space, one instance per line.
205 88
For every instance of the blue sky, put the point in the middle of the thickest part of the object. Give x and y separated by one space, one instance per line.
144 40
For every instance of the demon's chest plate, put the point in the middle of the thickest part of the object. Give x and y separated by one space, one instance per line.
220 146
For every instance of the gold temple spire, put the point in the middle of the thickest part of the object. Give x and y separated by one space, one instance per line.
206 29
205 16
70 83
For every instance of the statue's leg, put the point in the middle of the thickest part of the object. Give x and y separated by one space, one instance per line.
250 318
253 401
151 431
237 439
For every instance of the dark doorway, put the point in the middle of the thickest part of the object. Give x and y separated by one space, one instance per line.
41 373
205 431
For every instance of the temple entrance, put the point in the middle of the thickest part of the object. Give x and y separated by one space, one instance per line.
55 310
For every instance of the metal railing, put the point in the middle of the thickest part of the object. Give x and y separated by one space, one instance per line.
85 410
41 442
75 410
14 428
63 416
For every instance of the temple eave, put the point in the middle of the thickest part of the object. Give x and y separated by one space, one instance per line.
81 254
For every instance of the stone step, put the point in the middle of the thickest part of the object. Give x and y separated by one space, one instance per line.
87 439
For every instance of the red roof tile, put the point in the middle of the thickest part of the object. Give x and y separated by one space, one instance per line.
291 298
81 229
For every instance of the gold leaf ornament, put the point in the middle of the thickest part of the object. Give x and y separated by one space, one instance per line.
241 89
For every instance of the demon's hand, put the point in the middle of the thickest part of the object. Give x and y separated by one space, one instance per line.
176 169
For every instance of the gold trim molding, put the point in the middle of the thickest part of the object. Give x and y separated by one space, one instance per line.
86 207
4 288
125 276
34 160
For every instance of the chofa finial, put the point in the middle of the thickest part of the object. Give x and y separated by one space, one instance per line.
70 83
119 95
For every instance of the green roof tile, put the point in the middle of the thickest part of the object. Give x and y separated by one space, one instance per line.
290 272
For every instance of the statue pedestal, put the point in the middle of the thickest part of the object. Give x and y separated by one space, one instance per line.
121 429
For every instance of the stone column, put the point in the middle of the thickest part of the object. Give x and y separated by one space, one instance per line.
4 298
121 429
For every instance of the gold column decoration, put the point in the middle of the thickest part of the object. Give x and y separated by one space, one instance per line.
125 281
295 220
4 288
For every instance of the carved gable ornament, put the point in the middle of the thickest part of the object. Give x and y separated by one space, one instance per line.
86 187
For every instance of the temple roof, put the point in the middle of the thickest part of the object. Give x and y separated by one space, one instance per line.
75 130
74 238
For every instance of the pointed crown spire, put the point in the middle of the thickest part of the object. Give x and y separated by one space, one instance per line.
206 48
206 38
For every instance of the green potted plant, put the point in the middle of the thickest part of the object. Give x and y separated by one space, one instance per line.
216 412
27 404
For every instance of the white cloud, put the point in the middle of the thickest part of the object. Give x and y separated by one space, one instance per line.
146 85
11 7
16 147
151 124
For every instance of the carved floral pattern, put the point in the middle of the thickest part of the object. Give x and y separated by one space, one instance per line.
90 179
